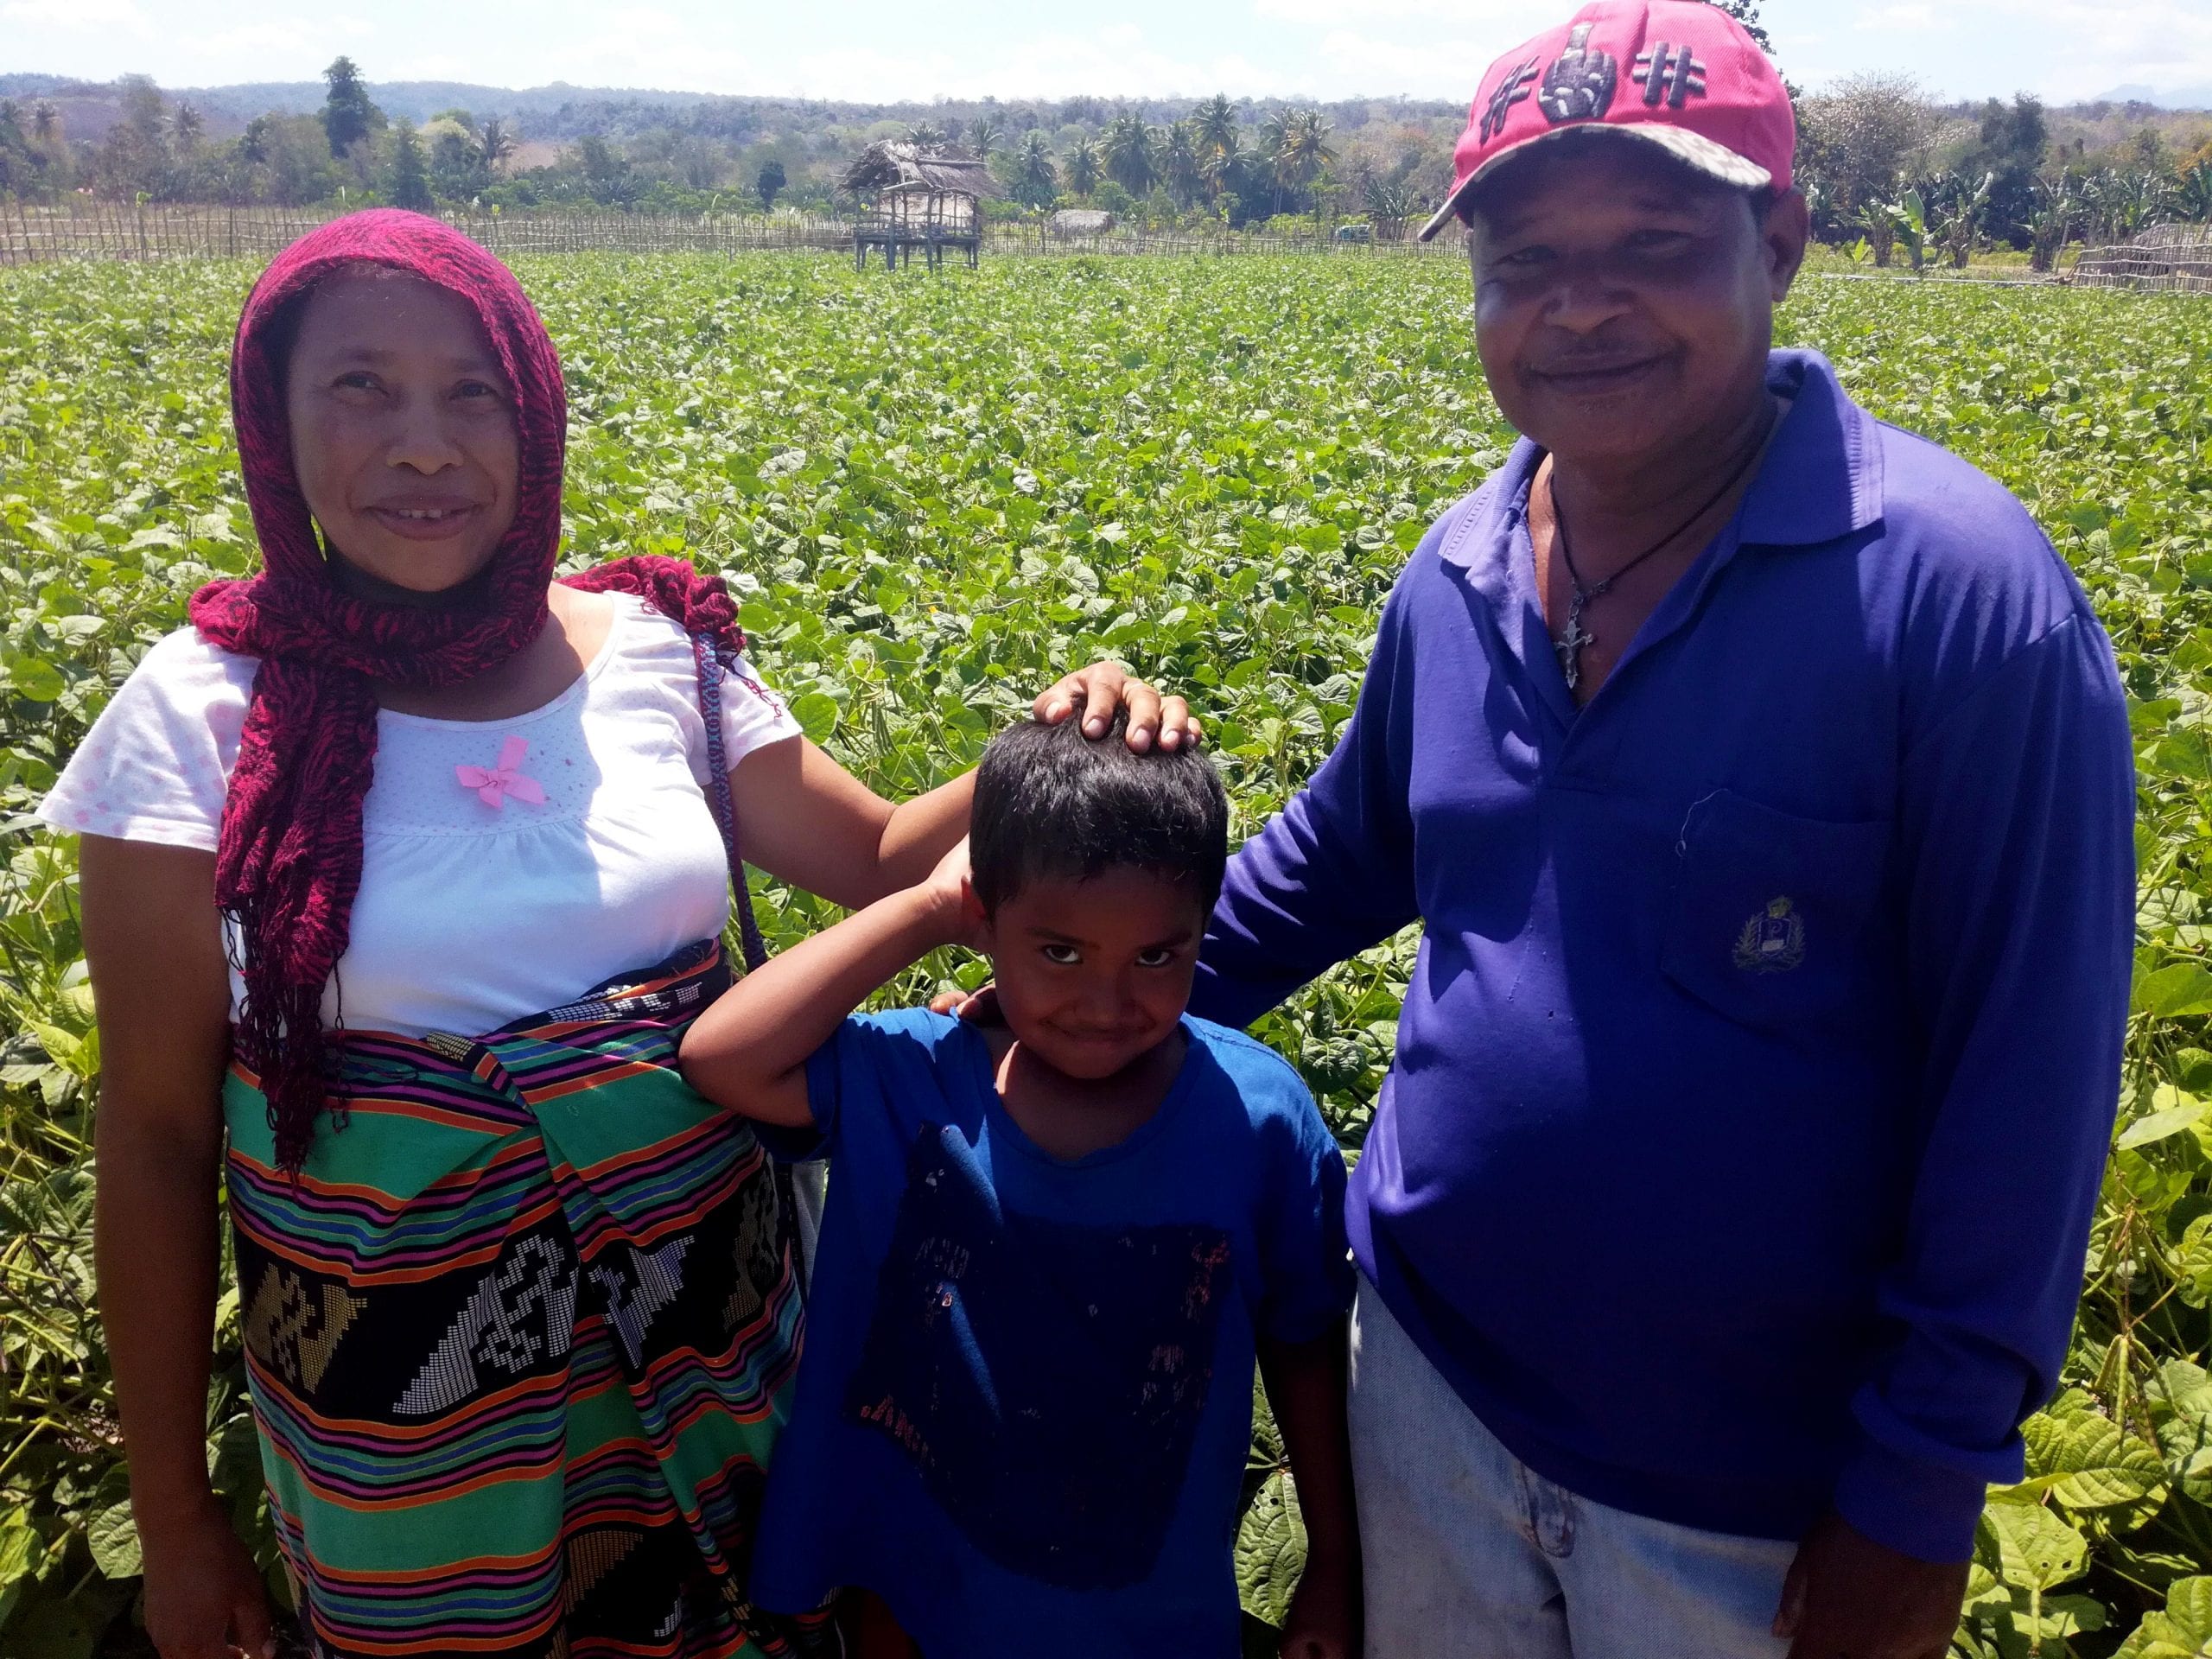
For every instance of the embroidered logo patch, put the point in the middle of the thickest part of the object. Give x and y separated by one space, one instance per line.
1672 75
1772 942
1514 89
1579 86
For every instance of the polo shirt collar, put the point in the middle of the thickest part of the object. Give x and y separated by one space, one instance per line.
1821 481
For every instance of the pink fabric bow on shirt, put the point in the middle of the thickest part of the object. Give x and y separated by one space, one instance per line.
494 784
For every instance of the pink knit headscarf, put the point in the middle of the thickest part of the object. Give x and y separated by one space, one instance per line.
288 858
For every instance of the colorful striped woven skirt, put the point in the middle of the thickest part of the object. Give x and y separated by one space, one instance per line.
520 1338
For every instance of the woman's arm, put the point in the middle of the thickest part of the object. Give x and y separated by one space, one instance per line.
748 1052
162 990
807 821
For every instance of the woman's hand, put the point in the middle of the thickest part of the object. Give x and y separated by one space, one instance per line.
204 1596
1104 687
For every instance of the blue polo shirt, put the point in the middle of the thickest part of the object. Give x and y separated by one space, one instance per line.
1755 1077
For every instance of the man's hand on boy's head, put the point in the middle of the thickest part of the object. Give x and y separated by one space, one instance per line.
1104 687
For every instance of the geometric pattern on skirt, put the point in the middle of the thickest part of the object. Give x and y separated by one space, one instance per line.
520 1338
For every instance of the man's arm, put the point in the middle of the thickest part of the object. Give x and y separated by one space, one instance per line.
748 1053
2017 818
1332 874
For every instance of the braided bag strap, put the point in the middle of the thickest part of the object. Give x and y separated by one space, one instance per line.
711 667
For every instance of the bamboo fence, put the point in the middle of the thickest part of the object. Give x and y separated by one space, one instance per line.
2165 258
87 228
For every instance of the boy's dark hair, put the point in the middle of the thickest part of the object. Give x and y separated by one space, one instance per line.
1050 802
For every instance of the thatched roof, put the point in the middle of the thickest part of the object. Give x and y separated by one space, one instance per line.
2161 239
1082 221
892 166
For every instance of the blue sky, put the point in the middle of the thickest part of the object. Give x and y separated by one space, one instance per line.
2061 49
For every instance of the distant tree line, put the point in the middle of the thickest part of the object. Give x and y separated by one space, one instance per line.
1890 173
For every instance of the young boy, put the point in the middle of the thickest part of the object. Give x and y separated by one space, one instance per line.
1053 1247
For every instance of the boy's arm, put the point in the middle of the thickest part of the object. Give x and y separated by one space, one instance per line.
749 1051
1306 1386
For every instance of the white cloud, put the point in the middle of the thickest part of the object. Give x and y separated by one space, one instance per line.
1108 62
74 14
2156 43
1458 13
1911 18
1448 68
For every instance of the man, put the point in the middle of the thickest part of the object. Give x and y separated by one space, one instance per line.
1761 779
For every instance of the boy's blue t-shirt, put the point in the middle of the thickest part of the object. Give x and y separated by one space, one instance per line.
1025 1403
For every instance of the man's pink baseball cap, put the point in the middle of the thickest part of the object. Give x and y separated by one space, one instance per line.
1679 73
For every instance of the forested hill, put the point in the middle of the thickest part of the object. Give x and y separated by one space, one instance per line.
561 112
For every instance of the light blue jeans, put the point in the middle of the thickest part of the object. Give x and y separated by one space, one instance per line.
1471 1554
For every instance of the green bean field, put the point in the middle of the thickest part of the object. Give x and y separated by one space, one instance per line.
933 493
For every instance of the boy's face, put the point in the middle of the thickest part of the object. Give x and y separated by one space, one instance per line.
1093 975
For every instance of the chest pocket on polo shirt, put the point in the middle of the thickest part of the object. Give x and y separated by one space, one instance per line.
1772 921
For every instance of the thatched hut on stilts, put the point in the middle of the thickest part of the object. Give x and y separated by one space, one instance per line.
926 199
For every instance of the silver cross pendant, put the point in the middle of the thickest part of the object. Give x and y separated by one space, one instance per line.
1569 647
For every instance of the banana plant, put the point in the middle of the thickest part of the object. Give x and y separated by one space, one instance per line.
2053 213
1906 221
2193 197
1955 216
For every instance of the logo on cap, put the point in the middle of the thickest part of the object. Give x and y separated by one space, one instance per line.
1579 86
1514 89
1671 75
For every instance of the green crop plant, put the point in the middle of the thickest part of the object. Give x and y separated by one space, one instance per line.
932 496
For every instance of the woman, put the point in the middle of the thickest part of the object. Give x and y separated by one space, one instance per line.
402 870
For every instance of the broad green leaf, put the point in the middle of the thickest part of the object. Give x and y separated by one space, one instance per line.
2101 1465
2193 1262
1271 1550
35 678
1267 1448
19 1550
114 1539
2169 1118
2173 992
817 714
2032 1548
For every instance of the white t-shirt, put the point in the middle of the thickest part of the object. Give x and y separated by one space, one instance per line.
507 866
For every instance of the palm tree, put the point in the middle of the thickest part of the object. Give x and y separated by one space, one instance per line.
1130 153
1083 168
1298 141
1214 123
926 134
1219 162
185 127
1274 137
46 124
1181 163
985 133
495 143
1036 181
